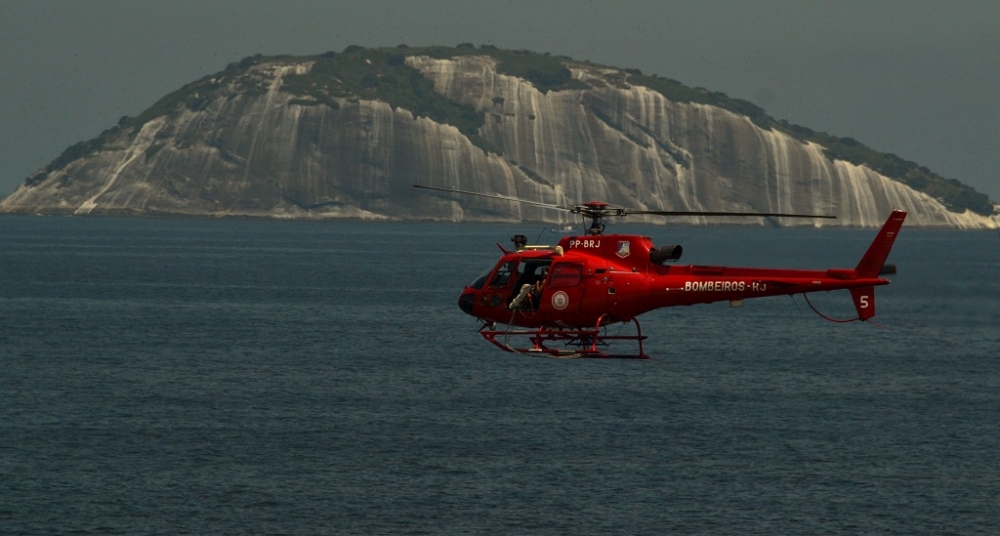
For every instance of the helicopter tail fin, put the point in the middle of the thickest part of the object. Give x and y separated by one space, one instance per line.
871 264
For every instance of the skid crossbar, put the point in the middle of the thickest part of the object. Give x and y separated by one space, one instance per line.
576 342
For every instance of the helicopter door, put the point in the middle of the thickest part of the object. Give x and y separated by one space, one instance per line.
533 273
564 291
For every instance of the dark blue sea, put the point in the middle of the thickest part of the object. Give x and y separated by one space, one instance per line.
268 377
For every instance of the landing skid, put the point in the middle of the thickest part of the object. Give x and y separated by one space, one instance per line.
575 342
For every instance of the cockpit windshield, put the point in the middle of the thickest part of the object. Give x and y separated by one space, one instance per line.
481 280
499 280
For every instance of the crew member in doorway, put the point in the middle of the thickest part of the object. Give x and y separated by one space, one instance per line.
536 291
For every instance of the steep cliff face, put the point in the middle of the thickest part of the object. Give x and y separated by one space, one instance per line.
270 153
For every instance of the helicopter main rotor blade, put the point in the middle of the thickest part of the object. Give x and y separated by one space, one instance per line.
495 196
722 214
608 210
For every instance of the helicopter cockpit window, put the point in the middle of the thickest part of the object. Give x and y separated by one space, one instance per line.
566 275
503 274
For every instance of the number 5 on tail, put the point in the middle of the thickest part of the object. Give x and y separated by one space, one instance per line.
864 301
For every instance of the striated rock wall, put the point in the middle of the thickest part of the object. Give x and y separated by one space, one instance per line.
266 154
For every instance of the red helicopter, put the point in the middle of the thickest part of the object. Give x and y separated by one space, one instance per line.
565 296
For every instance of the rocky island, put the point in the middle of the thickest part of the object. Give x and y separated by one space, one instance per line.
345 135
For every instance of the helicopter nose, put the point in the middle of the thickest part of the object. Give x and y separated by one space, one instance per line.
466 300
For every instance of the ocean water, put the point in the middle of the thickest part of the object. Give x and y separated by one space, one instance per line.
262 377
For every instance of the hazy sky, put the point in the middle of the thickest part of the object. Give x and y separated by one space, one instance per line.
917 78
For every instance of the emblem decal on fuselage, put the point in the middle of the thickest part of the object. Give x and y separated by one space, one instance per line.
560 300
623 249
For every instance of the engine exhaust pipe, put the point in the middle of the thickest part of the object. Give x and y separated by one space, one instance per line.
664 254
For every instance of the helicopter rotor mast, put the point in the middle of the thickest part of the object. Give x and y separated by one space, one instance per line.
597 210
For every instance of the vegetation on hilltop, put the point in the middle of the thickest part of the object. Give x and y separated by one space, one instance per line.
545 72
382 74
